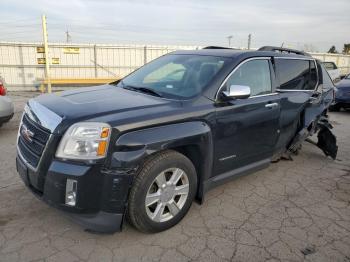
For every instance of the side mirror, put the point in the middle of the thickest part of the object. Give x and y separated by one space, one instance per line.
238 91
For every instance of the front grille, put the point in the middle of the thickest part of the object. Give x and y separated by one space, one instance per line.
32 146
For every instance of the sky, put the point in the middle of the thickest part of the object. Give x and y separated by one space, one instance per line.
312 25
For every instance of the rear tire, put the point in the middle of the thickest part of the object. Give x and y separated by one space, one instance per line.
162 192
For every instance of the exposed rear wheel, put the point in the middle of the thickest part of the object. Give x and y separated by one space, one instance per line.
162 192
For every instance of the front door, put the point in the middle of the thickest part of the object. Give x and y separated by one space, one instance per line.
247 129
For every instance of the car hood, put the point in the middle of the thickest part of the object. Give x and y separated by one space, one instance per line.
102 103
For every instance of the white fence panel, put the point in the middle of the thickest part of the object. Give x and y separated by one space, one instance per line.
22 68
342 61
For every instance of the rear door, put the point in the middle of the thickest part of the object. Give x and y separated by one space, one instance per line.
247 129
298 79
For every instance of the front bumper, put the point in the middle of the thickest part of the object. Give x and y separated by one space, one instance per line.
6 107
342 102
101 195
342 98
5 119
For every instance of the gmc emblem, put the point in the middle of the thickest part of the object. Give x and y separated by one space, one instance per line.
26 133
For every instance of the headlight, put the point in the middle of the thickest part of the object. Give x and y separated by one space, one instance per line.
85 141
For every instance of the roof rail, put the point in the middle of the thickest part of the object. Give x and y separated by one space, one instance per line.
217 47
283 50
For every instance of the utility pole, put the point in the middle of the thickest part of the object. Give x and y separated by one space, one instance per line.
249 40
68 37
46 49
229 40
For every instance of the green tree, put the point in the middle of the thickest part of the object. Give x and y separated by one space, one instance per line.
332 50
346 49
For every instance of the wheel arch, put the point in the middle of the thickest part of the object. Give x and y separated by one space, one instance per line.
195 155
192 139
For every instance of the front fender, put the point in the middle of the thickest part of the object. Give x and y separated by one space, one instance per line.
132 148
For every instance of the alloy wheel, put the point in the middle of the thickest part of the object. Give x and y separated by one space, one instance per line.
167 195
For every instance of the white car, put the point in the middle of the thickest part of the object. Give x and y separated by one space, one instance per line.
6 105
333 70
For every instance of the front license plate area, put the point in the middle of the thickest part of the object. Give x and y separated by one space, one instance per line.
22 171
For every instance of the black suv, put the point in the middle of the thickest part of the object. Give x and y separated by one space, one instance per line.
146 146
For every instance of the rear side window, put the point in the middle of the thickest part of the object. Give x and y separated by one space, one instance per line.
327 81
295 74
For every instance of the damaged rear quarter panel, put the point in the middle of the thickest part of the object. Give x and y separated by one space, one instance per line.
317 107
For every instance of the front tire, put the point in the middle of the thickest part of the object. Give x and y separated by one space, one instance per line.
162 192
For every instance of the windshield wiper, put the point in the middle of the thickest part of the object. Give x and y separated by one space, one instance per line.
143 90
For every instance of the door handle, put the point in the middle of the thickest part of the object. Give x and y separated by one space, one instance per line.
271 105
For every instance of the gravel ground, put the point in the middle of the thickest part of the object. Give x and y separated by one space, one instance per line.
292 211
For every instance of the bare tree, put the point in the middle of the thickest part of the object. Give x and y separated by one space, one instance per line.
332 50
346 49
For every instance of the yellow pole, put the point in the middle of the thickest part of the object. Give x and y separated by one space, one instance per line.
46 49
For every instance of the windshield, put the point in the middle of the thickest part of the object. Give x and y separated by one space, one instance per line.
175 76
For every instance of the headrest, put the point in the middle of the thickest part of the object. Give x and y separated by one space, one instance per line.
207 71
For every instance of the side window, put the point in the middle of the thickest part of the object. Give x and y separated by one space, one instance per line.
294 74
255 74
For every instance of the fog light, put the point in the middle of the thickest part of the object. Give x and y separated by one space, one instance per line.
71 192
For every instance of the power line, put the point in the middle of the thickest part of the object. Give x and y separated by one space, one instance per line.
16 21
18 32
19 26
128 27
